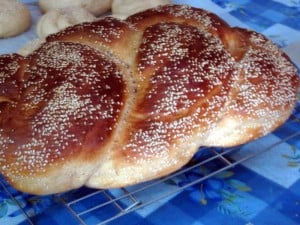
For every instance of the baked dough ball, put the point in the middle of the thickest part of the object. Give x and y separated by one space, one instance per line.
97 7
15 18
31 46
58 19
124 8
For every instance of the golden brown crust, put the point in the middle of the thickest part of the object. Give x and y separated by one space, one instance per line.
113 103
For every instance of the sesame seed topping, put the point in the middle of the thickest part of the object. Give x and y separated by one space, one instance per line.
70 89
140 93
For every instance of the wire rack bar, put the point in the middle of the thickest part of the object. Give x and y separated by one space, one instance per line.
127 200
140 202
76 216
118 202
111 201
16 202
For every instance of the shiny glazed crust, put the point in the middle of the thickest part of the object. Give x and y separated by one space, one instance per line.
115 102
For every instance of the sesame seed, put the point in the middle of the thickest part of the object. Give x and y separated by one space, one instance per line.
156 100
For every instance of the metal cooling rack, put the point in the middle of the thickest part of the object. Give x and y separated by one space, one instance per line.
117 203
108 205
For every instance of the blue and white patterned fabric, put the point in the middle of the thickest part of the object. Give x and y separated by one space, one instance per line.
264 189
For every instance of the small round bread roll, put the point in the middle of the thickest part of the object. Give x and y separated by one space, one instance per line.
124 8
15 18
31 46
58 19
96 7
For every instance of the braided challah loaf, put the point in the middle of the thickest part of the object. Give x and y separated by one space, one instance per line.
112 103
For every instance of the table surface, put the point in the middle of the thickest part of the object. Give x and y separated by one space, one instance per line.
262 190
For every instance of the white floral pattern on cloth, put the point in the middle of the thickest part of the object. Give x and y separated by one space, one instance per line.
290 3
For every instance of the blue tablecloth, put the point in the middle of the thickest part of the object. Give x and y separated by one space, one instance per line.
261 190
